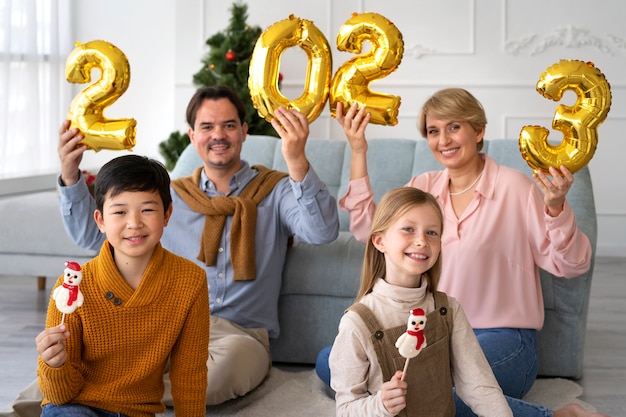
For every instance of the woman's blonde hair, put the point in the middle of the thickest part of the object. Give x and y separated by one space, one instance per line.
392 206
454 104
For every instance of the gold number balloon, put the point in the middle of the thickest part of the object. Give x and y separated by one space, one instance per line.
265 65
351 81
578 123
86 111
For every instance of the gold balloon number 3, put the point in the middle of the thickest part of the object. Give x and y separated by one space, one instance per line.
578 123
351 81
86 111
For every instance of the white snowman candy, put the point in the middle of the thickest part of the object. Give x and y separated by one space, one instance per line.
67 296
411 342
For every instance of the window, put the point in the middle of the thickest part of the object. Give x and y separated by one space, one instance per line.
35 39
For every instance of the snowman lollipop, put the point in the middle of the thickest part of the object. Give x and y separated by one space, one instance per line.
68 296
411 342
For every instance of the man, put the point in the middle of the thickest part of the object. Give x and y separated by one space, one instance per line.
232 219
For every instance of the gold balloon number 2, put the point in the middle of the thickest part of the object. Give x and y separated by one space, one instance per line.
578 123
351 81
86 111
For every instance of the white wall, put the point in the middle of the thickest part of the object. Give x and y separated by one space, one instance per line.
495 48
146 32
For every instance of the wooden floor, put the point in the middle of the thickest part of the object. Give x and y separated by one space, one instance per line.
22 316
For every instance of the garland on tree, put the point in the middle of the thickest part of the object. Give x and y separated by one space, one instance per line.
227 63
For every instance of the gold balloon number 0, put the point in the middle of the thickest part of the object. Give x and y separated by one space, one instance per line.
86 111
578 123
351 81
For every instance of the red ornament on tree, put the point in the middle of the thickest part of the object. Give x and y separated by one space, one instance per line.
230 55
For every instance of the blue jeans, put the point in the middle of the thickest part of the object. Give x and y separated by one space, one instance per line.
512 354
75 410
520 408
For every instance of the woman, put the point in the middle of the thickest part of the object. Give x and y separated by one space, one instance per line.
500 228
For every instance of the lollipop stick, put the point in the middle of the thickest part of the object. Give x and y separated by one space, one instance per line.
406 365
63 318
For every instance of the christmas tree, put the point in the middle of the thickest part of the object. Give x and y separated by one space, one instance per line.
227 63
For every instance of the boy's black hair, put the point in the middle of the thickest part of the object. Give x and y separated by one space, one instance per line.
132 173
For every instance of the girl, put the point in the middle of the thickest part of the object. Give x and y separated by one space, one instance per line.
400 272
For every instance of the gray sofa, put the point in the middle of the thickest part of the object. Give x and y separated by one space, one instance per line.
319 282
33 241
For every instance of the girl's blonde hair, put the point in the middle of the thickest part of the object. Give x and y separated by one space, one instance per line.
392 206
454 104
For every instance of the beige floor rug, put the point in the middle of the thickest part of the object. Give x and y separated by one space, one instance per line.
301 393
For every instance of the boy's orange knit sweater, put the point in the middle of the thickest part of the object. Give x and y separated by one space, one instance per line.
121 339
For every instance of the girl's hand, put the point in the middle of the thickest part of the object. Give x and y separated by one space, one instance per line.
555 190
394 394
51 345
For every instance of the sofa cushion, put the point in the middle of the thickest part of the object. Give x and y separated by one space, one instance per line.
341 258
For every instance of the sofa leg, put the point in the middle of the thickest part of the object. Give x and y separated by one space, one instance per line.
41 283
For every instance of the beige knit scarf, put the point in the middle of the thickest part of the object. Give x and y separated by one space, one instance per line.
242 208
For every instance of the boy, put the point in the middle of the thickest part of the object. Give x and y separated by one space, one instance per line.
143 306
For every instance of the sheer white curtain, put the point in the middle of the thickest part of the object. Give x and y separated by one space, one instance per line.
35 40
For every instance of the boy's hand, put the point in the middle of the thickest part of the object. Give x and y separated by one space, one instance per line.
51 345
394 394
